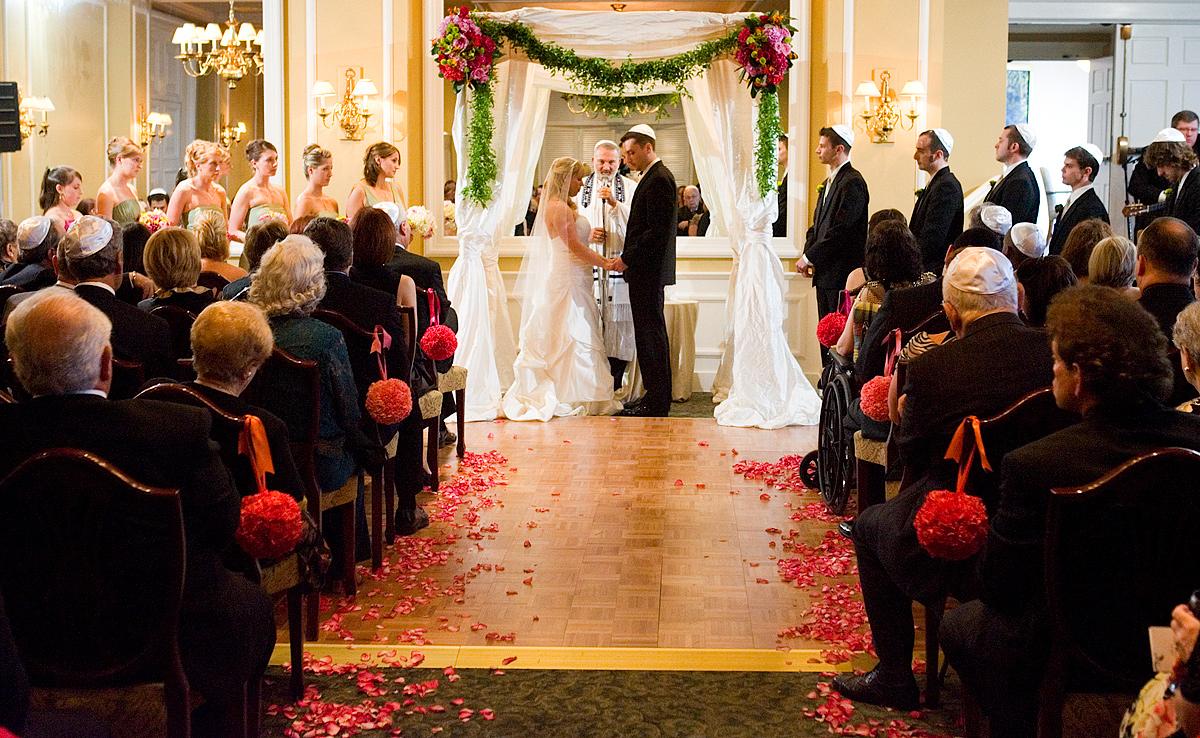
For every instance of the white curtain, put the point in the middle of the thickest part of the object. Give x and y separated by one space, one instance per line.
767 388
486 345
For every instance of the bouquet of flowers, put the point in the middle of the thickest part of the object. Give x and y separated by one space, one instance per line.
153 220
272 215
764 51
448 218
421 220
465 54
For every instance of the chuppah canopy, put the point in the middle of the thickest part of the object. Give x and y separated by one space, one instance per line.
735 171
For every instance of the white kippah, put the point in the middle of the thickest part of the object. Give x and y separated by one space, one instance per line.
1028 240
91 234
980 271
946 139
996 217
1025 131
845 131
1169 135
645 130
393 211
33 231
608 144
1094 150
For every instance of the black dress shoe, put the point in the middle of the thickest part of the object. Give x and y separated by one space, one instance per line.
411 521
846 528
447 438
872 689
641 412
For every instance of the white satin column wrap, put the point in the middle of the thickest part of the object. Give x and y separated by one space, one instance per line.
765 385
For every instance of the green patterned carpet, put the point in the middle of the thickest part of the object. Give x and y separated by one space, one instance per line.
587 704
699 405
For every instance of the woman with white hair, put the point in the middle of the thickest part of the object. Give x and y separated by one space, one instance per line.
1113 263
1186 337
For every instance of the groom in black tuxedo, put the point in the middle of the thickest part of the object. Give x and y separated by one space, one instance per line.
648 263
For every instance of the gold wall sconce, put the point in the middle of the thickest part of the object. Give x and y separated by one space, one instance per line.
232 133
881 113
151 126
351 114
34 116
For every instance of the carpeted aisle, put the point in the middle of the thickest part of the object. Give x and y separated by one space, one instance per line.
586 704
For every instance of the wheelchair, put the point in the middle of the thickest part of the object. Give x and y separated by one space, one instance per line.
830 468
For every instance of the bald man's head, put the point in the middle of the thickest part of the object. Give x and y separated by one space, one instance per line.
59 344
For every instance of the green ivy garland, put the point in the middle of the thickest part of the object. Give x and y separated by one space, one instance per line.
481 158
766 158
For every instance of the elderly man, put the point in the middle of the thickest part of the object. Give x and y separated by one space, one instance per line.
994 361
1081 164
604 200
62 356
1167 253
1017 190
1111 367
937 216
693 215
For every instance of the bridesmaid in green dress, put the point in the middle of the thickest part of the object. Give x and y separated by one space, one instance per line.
199 193
117 198
258 196
318 170
380 164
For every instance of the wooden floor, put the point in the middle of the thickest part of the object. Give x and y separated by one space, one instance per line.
598 533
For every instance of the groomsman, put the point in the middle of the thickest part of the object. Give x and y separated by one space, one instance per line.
1176 161
937 217
779 227
835 244
1081 164
1018 189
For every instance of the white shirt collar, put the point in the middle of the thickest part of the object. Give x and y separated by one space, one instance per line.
1078 193
1009 167
104 285
834 172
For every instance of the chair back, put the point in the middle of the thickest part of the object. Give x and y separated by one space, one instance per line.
358 346
179 321
290 388
935 322
127 378
213 281
408 321
91 571
6 398
1119 556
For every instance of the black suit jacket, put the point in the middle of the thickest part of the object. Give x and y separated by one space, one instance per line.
1086 207
1018 192
779 227
1165 302
995 363
366 307
1185 201
903 309
29 277
837 240
649 253
136 334
937 218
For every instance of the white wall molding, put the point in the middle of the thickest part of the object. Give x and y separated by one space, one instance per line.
1103 11
275 85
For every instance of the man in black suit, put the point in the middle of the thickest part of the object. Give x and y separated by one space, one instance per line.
994 361
1111 367
1166 259
37 241
93 251
1081 164
1174 159
648 263
937 217
779 227
368 307
1018 189
837 240
1145 184
62 356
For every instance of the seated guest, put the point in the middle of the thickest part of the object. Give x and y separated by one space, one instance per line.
1023 242
214 247
66 282
1186 337
1166 260
856 279
693 215
995 361
133 239
1111 367
374 239
1113 263
298 225
995 218
36 240
93 251
1081 164
8 243
62 356
259 238
1077 249
172 260
1038 281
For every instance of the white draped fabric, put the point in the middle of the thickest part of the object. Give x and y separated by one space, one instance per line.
766 387
475 286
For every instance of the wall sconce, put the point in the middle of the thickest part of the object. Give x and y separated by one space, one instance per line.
232 134
152 126
881 114
351 114
29 123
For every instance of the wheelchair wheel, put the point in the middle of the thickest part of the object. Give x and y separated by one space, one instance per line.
808 470
835 453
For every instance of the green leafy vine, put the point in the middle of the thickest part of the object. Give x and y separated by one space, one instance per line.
481 158
766 161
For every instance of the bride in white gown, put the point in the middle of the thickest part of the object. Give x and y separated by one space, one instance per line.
562 368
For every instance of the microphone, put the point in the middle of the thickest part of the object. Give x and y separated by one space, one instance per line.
1127 153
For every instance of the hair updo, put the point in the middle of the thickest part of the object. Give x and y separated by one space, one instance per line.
315 156
196 152
120 147
371 169
256 148
50 183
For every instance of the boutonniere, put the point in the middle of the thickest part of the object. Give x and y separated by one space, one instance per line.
1162 197
919 191
821 188
993 181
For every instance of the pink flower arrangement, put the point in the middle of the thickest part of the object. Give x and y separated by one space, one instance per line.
764 51
465 54
153 220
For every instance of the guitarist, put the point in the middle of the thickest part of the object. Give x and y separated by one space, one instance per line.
1175 161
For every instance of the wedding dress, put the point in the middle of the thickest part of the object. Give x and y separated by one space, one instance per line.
562 368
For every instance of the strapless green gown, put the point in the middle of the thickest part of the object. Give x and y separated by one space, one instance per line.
266 211
127 211
194 216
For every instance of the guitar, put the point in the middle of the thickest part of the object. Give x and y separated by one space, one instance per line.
1135 209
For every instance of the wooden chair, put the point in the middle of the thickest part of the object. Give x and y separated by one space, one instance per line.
408 324
1123 544
279 577
128 377
1030 418
358 346
91 573
6 398
7 291
213 281
429 404
179 321
290 388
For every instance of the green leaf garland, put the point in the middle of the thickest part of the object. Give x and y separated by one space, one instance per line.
766 160
481 158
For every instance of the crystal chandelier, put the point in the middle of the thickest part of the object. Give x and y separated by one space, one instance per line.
232 53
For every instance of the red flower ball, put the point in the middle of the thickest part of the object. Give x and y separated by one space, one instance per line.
829 328
951 525
270 526
389 401
439 342
874 399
